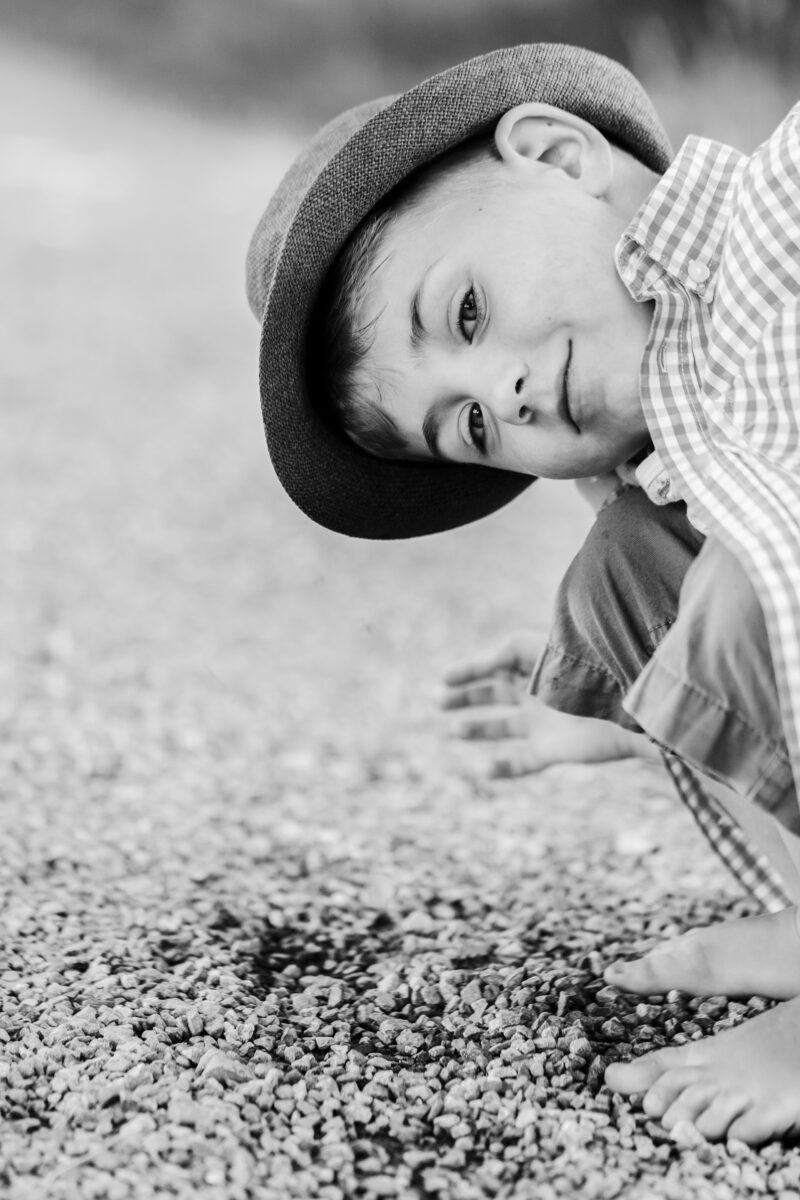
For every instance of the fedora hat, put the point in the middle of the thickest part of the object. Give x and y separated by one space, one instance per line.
350 166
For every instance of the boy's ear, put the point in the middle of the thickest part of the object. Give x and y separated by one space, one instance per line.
535 133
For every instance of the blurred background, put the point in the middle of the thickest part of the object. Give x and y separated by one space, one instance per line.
308 59
159 589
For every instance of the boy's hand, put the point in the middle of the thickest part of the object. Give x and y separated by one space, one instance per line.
495 685
532 736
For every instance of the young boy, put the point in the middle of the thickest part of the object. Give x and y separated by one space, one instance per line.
541 301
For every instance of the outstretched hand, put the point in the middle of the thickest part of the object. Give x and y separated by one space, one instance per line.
525 735
493 687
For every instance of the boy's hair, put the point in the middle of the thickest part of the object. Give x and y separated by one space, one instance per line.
339 338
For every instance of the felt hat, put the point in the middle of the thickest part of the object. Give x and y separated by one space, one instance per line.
350 165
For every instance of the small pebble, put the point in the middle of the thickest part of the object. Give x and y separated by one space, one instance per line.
685 1134
223 1067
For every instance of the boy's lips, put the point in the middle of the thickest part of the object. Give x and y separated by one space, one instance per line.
566 399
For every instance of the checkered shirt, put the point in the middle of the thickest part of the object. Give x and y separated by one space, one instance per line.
716 246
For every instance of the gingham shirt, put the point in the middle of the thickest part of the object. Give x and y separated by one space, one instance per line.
716 246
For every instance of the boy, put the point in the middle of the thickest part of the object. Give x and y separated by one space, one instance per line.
540 301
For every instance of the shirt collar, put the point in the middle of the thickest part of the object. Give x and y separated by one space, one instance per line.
680 228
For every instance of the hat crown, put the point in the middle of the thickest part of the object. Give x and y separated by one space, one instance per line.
290 193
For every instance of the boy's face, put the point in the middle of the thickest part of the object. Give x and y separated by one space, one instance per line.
503 333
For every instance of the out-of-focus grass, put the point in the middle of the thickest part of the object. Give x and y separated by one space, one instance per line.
309 59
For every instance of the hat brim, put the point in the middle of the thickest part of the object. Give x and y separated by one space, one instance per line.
333 481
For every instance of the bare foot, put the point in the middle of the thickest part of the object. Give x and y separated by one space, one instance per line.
743 1083
754 956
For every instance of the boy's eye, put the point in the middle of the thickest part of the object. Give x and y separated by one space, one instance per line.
468 315
477 427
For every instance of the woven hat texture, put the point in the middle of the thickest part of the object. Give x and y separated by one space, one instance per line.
350 165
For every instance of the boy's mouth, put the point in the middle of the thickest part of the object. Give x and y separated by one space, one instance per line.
565 396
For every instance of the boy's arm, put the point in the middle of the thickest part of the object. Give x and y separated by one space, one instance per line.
493 686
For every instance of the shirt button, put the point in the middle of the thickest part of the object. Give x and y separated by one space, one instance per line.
699 271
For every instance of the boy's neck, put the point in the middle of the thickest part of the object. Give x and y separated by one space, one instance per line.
632 184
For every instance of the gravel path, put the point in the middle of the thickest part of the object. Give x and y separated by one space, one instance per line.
265 932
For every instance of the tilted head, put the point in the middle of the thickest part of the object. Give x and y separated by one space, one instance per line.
350 168
476 316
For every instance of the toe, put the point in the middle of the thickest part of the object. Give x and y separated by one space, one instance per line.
761 1123
715 1121
668 1088
692 1100
642 1073
686 963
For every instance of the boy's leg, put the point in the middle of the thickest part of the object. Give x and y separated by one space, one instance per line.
651 617
712 702
744 1082
708 694
781 846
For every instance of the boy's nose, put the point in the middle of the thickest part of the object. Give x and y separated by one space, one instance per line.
510 398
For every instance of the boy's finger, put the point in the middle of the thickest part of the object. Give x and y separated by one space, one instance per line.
475 669
486 692
516 656
516 761
489 727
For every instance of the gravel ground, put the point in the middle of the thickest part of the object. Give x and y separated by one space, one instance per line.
266 932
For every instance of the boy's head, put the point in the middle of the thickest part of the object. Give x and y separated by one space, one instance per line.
475 315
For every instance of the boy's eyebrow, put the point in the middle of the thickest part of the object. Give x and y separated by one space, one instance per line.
431 428
419 333
418 330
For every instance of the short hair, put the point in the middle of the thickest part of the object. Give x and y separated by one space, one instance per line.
339 339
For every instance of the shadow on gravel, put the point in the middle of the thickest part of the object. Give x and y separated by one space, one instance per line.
288 950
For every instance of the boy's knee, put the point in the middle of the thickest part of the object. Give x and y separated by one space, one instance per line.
709 694
721 637
718 600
